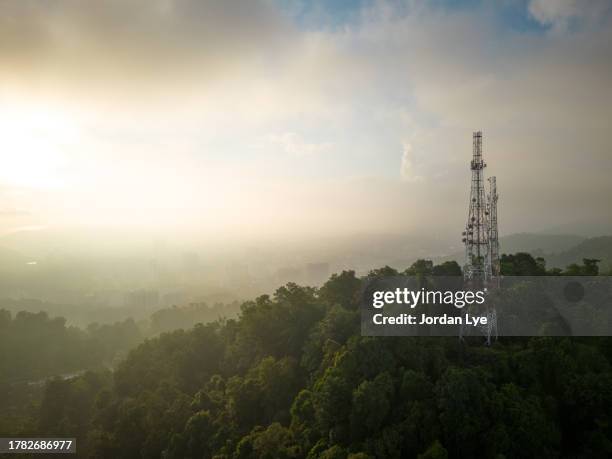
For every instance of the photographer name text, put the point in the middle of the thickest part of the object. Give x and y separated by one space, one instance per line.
414 319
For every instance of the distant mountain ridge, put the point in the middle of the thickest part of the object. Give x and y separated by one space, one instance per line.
559 250
534 243
538 244
595 247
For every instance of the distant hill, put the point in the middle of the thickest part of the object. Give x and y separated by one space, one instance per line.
533 243
538 244
588 228
559 251
595 247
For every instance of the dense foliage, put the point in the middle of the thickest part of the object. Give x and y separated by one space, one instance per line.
293 378
33 345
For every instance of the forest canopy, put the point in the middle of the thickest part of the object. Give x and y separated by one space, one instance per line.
292 377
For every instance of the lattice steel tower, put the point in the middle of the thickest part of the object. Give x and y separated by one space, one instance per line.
493 233
476 235
481 269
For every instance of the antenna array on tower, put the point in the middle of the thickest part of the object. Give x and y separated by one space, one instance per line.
482 265
479 227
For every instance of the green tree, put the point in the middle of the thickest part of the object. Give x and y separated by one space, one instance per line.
274 442
370 406
420 267
435 451
342 289
521 264
448 268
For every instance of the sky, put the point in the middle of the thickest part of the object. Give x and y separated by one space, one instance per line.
276 119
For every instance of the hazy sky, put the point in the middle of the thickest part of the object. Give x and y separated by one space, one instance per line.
268 118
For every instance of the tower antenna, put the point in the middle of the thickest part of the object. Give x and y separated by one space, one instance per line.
481 269
493 232
477 268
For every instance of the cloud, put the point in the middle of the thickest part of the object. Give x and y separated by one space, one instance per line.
555 12
227 72
560 13
135 44
407 168
294 144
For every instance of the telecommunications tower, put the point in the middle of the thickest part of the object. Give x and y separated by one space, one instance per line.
493 233
482 268
477 268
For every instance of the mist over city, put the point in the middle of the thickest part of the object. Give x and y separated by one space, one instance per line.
214 145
